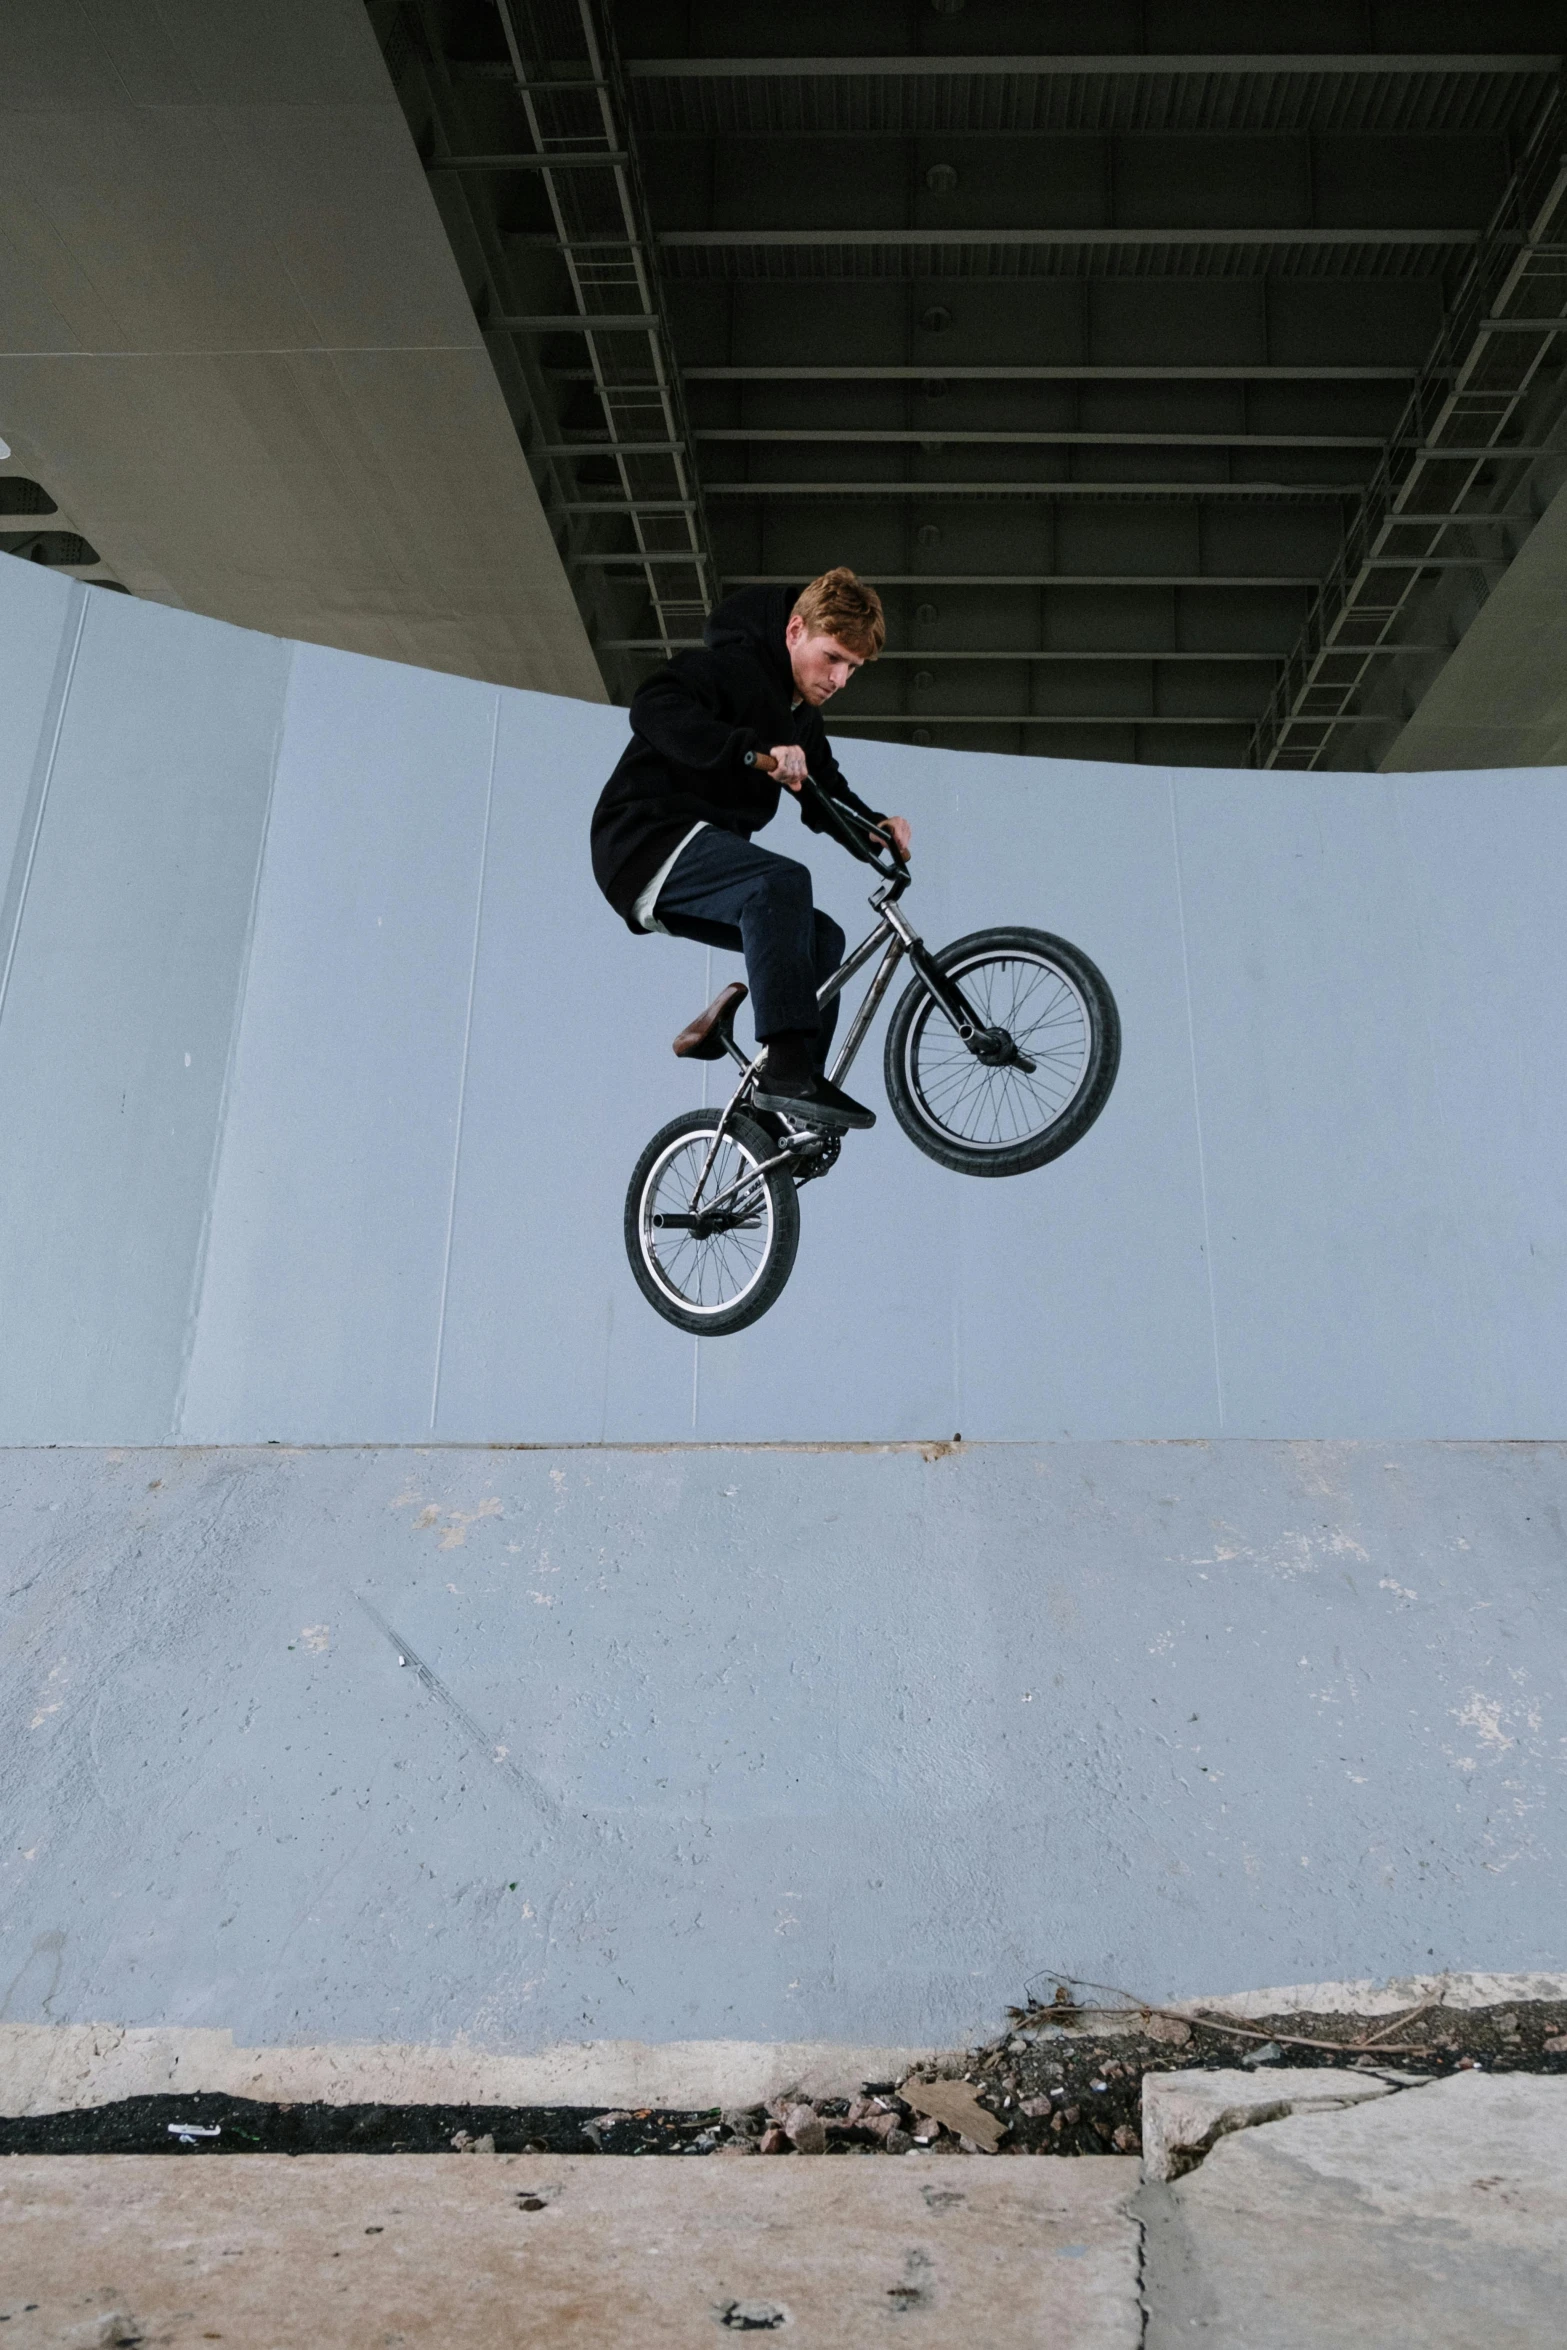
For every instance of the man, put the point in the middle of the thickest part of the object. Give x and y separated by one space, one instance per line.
714 735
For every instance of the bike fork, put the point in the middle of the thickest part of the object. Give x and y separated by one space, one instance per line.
986 1044
946 992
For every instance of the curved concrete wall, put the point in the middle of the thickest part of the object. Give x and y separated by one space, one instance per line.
323 1066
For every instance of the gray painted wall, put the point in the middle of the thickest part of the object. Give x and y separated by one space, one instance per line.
129 903
383 1200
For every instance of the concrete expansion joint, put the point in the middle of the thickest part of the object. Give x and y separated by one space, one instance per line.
1185 2114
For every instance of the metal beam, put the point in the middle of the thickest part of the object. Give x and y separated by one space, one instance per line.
637 644
919 437
636 506
612 323
592 159
1058 372
1036 579
684 239
1298 492
1031 718
590 181
625 562
1451 520
829 67
1050 654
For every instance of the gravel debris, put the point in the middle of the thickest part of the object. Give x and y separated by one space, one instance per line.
1060 2081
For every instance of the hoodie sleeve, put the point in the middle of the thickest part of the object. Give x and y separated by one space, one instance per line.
680 712
828 773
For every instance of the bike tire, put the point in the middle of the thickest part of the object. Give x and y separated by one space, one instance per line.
931 1124
661 1280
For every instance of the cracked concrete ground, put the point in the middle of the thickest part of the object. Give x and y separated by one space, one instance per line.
1434 2218
343 2251
1427 2218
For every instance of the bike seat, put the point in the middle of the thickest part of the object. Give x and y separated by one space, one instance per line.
707 1038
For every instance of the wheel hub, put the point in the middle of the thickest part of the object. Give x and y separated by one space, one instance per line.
995 1048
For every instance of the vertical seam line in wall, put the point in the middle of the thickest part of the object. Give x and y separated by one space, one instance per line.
198 1278
34 826
957 1315
696 1345
462 1079
1202 1158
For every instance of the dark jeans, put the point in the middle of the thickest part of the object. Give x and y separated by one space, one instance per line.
726 892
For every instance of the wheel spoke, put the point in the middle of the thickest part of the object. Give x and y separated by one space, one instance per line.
706 1273
986 1107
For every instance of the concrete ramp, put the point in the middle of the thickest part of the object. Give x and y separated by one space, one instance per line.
512 1752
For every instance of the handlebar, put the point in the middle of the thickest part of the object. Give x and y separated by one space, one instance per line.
848 827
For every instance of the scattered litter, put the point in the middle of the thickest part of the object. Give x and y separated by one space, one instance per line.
752 2317
188 2132
956 2106
1269 2053
1062 2009
465 2144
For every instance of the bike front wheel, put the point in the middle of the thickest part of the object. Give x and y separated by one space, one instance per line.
711 1272
1018 1103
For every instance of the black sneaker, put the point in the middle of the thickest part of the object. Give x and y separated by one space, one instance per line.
814 1101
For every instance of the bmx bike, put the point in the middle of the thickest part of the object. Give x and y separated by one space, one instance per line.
1000 1055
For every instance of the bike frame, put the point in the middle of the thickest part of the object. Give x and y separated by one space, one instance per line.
891 934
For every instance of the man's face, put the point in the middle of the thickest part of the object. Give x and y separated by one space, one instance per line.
822 667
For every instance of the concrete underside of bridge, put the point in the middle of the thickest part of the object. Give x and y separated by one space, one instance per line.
505 339
1500 700
518 1752
235 347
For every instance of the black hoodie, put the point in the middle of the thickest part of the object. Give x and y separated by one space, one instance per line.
692 724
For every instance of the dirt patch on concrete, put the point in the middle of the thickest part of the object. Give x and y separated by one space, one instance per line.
1066 2088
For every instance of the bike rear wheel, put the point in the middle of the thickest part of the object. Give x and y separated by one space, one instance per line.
997 1117
711 1276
